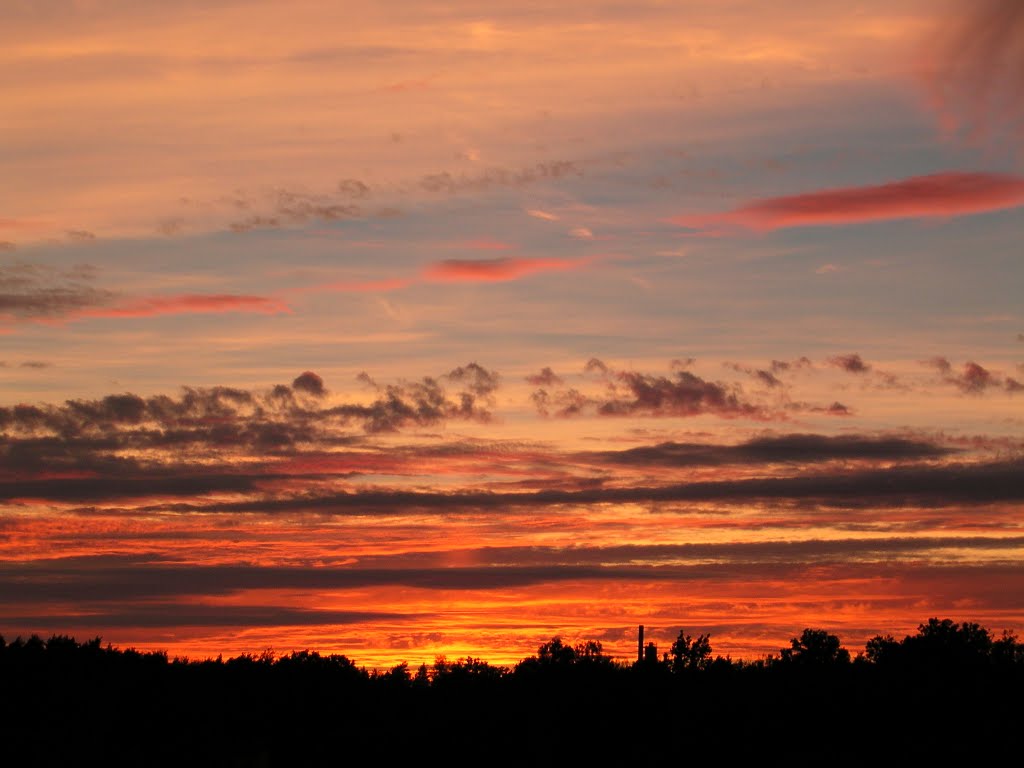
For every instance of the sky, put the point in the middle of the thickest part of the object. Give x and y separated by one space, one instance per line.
403 329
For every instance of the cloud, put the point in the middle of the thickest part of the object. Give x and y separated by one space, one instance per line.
545 378
480 381
132 591
498 177
354 189
188 303
683 395
939 363
255 222
226 415
902 486
426 402
497 270
779 366
538 214
34 291
807 448
850 363
836 409
35 364
975 77
973 378
310 383
940 194
767 378
629 393
283 207
173 615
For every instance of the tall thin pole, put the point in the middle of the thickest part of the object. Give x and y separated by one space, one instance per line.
640 644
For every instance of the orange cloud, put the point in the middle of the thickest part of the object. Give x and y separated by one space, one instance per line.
496 270
939 194
190 303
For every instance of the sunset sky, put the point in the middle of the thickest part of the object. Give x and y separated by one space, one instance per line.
411 329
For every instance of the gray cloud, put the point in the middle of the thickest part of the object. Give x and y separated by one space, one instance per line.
977 81
545 378
786 448
34 291
354 189
106 587
310 383
850 363
899 486
973 378
780 366
765 377
171 615
498 177
226 408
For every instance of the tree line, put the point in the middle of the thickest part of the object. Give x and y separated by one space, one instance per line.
951 690
937 644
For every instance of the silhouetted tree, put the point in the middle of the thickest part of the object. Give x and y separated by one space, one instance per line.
815 647
882 649
690 653
556 652
1007 650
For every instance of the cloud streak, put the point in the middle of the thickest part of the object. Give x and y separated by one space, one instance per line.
188 303
936 195
498 270
975 76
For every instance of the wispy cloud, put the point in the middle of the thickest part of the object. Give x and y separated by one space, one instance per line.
852 363
189 303
498 270
38 293
498 177
973 378
936 195
975 69
782 448
34 291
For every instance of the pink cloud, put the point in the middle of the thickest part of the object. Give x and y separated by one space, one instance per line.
189 303
939 194
496 270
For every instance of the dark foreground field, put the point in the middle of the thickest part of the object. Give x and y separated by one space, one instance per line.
950 693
